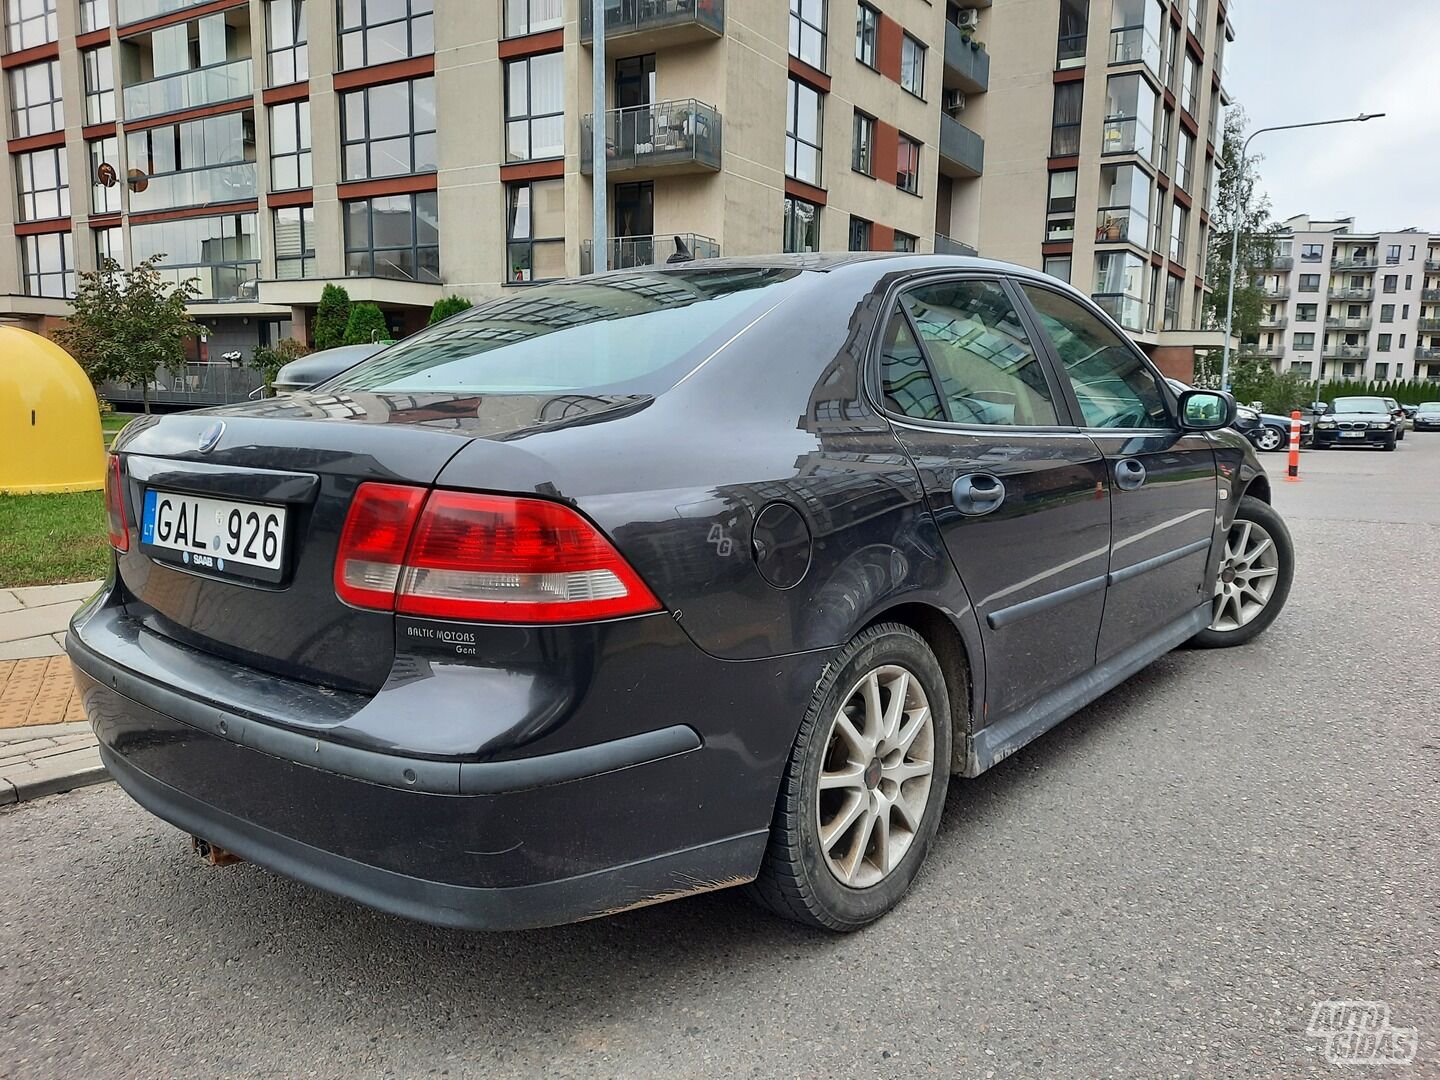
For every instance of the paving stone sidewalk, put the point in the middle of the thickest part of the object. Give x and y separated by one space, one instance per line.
45 746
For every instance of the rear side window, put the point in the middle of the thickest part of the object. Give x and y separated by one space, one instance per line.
633 333
1114 387
982 368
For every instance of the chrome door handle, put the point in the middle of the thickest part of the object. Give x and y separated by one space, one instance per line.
977 494
1129 474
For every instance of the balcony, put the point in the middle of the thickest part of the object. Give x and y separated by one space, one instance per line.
667 138
1280 262
962 151
967 64
1429 326
1432 265
1423 353
1135 45
946 246
212 85
1267 352
198 187
133 11
1122 225
1346 352
1332 323
650 24
627 252
1430 295
1354 262
1280 292
1362 296
1125 310
1279 322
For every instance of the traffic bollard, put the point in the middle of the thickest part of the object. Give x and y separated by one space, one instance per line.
1292 475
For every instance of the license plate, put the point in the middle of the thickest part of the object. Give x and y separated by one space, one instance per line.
217 536
1352 434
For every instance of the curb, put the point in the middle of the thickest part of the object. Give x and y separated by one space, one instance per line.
40 770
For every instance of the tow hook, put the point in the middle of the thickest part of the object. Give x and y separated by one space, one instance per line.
213 853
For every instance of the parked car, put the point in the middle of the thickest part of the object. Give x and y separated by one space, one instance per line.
1357 421
1409 410
615 590
1274 432
315 368
1427 416
1398 414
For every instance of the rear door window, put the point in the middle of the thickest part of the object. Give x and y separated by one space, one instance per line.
977 366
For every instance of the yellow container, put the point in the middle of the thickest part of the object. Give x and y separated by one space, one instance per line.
50 436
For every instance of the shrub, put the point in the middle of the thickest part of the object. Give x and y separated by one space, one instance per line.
332 317
444 308
367 324
269 359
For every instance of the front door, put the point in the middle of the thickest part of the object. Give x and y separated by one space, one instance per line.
1020 496
1164 506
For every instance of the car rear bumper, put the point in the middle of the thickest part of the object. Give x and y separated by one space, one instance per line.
492 844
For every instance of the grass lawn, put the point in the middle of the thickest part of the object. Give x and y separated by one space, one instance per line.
48 539
111 423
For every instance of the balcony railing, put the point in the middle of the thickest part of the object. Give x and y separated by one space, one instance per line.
671 21
1121 225
1430 295
1277 323
1127 135
199 187
1332 323
1429 325
133 11
1346 352
962 151
663 138
1432 264
627 252
1280 262
1128 311
1362 296
1423 353
946 246
967 64
1354 262
1265 352
1281 292
1135 45
189 89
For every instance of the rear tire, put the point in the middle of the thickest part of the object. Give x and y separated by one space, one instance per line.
1254 578
844 853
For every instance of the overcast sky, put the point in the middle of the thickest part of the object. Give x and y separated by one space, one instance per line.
1298 60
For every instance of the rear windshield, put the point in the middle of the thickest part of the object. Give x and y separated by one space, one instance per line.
1360 404
635 333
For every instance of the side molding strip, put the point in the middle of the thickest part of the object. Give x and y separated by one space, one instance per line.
1016 612
1135 570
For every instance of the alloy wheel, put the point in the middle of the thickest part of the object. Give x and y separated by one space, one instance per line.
875 778
1249 571
1269 439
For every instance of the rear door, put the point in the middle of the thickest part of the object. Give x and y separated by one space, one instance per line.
1019 495
1164 505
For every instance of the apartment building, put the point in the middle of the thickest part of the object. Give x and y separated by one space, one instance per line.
412 148
1351 305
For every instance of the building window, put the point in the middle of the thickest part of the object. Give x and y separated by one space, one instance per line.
1306 312
1383 343
48 264
1167 125
379 31
94 15
1310 283
109 244
1405 311
1120 287
907 165
1179 226
1173 286
802 225
532 16
1058 266
222 253
807 32
35 104
535 108
104 175
1392 254
1312 252
535 231
393 236
912 65
1382 370
43 184
1065 126
290 146
200 161
1124 214
29 23
1391 283
1197 18
861 159
1409 282
1074 25
905 242
1185 161
1387 312
802 133
1060 208
1190 86
1129 116
1136 27
1305 342
287 53
867 30
389 130
859 234
99 86
294 242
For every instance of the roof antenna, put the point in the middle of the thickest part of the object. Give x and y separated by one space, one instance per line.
681 254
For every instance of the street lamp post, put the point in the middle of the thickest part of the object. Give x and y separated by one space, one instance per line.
1235 232
599 231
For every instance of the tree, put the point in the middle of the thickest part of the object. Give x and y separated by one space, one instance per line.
367 324
444 308
269 359
1257 235
331 317
129 324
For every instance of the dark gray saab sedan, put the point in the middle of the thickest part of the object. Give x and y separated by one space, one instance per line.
630 587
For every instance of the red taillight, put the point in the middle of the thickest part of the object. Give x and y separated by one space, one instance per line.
372 545
115 505
485 558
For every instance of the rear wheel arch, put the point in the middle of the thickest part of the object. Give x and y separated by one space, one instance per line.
956 662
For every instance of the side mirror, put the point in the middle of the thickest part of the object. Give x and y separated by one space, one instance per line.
1206 410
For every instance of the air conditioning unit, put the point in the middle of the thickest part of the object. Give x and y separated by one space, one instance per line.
953 102
969 19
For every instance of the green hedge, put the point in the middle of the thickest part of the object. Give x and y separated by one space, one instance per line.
1405 391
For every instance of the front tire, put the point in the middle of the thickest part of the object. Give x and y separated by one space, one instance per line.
1390 446
1269 439
1253 583
861 797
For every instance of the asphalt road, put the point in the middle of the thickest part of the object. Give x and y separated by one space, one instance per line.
1160 887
